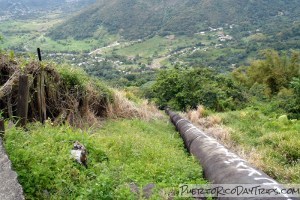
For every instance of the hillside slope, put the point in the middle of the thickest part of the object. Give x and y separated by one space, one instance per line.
23 8
140 18
117 167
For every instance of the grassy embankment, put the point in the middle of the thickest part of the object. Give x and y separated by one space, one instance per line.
122 153
134 146
273 141
265 138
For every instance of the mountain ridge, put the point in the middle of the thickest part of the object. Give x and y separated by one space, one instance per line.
22 7
137 19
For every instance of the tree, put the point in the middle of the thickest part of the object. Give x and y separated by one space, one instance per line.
295 84
294 108
276 79
182 88
275 71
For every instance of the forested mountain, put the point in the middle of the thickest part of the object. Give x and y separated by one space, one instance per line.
29 3
23 7
135 19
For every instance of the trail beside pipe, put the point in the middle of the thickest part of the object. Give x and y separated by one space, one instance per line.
221 166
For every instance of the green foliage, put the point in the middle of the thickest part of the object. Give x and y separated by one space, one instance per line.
11 55
275 138
275 71
42 160
120 153
293 106
257 92
78 81
187 88
295 84
275 80
21 36
73 77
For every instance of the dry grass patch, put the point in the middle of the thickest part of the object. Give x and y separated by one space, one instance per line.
122 107
213 126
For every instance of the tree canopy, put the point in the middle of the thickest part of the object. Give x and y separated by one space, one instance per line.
182 88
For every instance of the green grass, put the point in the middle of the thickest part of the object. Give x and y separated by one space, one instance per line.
275 138
30 34
146 48
31 41
157 46
120 153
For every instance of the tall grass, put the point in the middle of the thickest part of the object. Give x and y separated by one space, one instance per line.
270 142
120 154
122 107
260 135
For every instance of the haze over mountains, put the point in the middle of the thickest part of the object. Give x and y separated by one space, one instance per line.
135 19
17 8
29 3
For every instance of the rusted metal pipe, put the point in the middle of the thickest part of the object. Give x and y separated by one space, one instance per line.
220 166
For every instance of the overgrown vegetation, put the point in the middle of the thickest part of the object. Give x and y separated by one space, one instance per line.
273 141
266 130
273 80
182 88
265 138
70 95
127 155
123 154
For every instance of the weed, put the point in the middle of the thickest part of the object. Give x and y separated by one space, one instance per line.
270 143
120 153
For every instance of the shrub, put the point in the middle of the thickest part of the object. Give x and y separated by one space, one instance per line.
73 77
275 71
186 88
69 92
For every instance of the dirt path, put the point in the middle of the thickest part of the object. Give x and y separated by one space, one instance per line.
99 51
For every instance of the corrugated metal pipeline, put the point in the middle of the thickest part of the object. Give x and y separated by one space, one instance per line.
220 166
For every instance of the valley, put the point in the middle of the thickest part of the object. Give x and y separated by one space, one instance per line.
214 47
133 58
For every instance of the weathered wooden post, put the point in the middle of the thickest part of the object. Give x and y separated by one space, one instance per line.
43 97
41 104
39 54
23 99
2 128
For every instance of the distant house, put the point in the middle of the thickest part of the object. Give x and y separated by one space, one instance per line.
170 37
225 38
200 33
212 29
